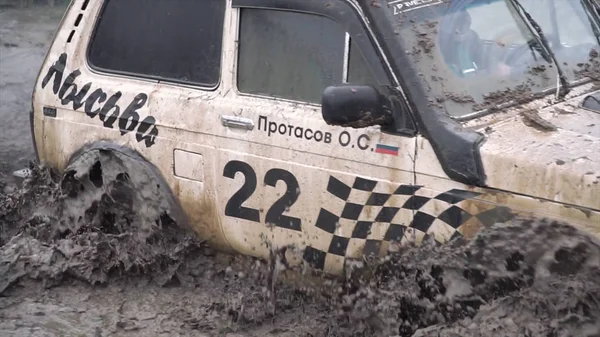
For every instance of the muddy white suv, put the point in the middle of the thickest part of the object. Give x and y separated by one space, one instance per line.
334 126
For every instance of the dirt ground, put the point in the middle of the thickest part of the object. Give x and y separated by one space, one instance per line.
24 38
60 277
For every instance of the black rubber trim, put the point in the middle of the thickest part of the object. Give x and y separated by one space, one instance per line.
457 148
339 11
32 128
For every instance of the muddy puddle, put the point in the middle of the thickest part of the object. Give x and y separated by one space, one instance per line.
91 277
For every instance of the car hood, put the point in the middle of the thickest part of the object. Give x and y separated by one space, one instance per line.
551 152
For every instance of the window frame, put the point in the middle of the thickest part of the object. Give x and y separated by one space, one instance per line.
349 18
150 78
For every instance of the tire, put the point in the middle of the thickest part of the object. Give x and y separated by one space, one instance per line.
115 190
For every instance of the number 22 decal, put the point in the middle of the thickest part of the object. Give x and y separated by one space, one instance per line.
274 215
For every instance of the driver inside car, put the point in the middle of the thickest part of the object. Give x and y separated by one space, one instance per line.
463 48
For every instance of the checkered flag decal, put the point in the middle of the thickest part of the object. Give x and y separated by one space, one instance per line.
368 214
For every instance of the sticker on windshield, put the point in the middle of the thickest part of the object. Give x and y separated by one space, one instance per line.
402 6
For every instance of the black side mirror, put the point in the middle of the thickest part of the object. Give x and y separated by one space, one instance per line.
354 106
359 106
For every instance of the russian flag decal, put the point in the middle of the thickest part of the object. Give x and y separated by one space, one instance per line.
386 149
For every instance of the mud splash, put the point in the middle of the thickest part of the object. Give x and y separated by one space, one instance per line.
524 278
519 279
48 234
154 273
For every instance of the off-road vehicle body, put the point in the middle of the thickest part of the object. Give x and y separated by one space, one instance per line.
337 126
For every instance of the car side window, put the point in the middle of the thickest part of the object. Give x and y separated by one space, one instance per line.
295 55
358 70
171 40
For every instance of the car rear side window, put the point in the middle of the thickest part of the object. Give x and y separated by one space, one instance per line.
171 40
295 55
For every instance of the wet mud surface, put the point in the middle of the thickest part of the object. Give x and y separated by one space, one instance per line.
75 261
63 275
25 35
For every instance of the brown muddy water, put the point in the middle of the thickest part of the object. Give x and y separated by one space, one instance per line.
102 276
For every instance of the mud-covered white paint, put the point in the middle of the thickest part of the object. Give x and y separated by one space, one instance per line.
517 158
561 165
552 174
188 165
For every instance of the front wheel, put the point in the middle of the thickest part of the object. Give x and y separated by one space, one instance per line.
116 191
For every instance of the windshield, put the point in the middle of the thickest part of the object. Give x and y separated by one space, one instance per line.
478 54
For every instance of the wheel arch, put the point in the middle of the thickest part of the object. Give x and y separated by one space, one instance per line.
108 147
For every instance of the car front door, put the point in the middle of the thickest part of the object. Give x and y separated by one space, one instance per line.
288 178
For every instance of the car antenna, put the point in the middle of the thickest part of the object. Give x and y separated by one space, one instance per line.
562 87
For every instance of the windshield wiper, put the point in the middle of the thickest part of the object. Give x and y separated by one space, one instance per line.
544 48
591 8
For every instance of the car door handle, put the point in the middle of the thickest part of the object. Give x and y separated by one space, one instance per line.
237 122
